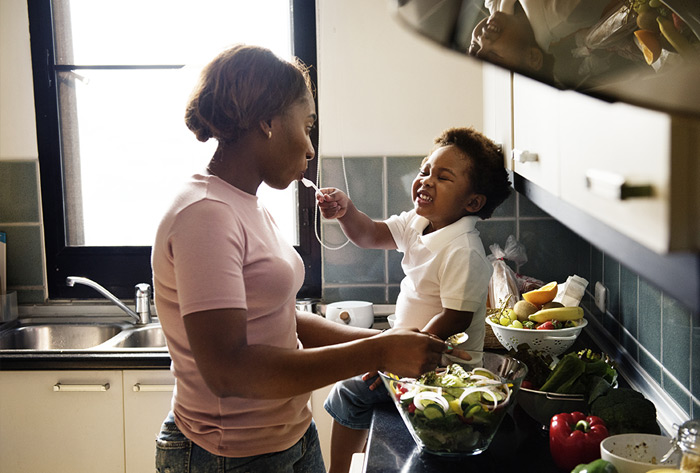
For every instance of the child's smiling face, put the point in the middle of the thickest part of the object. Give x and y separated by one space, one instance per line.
442 191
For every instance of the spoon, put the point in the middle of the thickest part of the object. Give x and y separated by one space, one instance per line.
456 339
309 183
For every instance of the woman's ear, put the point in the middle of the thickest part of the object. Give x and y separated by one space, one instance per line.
266 128
475 203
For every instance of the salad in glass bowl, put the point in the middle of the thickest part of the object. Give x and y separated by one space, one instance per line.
456 410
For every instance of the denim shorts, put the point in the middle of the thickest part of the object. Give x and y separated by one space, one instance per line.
351 402
177 454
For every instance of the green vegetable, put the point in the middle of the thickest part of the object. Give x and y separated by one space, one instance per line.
625 410
584 372
597 466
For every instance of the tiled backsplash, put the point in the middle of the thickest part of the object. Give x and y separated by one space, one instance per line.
658 333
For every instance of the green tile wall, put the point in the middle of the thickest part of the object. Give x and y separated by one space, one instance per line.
657 332
20 218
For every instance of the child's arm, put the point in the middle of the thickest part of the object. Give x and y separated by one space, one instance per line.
357 226
448 322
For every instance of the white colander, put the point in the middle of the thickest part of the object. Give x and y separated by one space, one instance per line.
554 342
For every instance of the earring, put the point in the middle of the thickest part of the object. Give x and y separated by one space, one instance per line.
269 135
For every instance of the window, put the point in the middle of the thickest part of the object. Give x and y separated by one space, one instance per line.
110 82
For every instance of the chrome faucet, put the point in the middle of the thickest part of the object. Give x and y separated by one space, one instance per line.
141 316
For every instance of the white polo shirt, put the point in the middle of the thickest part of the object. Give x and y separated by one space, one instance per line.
447 268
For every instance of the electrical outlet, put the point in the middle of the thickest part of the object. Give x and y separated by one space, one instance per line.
601 296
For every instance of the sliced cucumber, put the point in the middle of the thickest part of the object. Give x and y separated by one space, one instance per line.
433 411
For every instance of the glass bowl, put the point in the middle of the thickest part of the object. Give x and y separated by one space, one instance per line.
456 411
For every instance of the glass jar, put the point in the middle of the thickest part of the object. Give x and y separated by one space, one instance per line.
689 442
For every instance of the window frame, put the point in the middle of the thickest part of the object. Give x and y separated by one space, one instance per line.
119 268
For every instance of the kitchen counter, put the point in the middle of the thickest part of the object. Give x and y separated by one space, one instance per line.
520 445
87 360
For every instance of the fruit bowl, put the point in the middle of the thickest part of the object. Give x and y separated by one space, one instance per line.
554 342
456 411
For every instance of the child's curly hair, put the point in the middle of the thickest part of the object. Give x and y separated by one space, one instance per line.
486 170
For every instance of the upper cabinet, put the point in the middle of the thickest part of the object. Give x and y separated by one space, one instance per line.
631 168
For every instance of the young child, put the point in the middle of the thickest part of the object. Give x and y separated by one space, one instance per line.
447 272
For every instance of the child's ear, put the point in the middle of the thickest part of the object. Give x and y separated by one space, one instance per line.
535 58
475 203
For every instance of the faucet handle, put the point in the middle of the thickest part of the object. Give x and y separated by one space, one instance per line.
143 302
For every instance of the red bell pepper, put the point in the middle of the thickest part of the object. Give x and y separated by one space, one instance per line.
575 439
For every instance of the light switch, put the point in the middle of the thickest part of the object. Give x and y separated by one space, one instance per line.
601 296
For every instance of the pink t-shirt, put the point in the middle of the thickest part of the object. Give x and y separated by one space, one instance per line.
218 248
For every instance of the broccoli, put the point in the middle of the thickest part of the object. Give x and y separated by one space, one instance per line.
625 410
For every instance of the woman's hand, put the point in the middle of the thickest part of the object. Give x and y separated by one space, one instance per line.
332 202
410 352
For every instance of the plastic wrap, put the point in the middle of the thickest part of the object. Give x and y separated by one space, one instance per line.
504 281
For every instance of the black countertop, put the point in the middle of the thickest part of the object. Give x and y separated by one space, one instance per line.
83 360
520 445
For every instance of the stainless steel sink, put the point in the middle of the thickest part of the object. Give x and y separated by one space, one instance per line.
57 336
149 336
81 334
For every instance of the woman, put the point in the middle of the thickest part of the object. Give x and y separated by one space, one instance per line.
226 280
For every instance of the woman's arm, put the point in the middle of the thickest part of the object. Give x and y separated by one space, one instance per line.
316 331
231 367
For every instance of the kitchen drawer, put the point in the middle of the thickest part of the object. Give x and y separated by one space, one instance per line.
609 149
616 163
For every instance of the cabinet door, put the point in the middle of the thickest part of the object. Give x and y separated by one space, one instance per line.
603 145
147 398
498 109
536 131
61 421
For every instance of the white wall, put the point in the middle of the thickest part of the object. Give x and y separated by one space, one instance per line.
17 122
383 90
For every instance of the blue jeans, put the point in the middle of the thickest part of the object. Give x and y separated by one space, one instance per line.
351 403
175 453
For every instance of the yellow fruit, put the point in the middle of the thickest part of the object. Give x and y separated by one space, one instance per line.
677 40
524 308
651 46
558 313
552 305
541 296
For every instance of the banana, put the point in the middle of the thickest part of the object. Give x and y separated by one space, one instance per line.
557 313
677 40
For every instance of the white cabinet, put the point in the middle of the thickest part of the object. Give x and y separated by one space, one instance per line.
61 421
323 420
498 117
633 169
147 398
535 133
81 421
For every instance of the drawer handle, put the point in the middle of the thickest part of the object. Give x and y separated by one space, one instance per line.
524 156
153 388
614 186
80 387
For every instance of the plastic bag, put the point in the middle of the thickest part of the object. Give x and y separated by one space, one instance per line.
504 281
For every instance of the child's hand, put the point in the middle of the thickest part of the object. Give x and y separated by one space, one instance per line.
377 382
332 202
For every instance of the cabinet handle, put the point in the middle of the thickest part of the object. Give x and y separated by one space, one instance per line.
80 387
614 186
138 387
524 156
